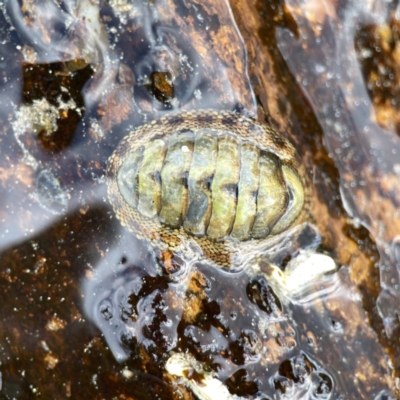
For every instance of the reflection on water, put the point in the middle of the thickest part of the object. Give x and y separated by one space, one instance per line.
235 326
352 84
76 77
239 329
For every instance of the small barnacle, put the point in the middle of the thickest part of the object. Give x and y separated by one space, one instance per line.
40 116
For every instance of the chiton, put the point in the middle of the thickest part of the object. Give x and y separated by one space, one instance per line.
219 179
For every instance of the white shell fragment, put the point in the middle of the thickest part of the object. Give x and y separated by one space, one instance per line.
210 387
303 274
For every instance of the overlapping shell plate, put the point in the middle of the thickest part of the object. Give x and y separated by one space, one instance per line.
219 179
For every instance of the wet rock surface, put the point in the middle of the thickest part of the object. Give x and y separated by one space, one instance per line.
88 310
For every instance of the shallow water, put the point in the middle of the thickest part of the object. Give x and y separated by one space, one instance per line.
89 310
360 133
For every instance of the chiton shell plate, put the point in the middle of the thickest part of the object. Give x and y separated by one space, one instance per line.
219 179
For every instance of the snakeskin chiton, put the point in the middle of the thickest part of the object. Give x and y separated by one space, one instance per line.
219 179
